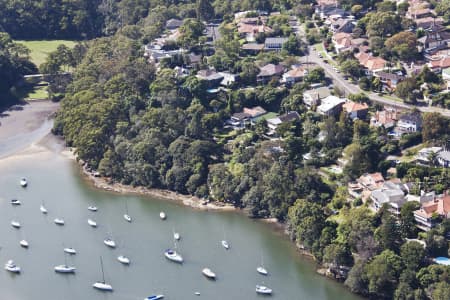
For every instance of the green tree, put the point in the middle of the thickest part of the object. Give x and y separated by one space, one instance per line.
413 255
383 273
204 10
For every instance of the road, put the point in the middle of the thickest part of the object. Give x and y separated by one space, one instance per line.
312 57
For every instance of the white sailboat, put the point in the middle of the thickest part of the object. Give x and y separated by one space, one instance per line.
224 242
43 209
92 223
15 202
208 273
65 268
126 216
12 267
109 242
24 243
70 250
176 235
23 182
162 215
102 285
123 259
15 224
261 289
261 270
92 208
59 221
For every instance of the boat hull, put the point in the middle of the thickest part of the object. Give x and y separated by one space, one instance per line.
64 269
102 286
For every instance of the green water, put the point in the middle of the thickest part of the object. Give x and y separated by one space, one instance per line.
55 181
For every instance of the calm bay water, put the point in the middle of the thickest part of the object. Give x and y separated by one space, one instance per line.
56 181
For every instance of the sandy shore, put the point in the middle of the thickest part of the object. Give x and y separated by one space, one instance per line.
25 124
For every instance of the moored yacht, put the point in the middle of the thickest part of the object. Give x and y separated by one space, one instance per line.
102 285
123 259
154 297
64 269
92 223
262 270
173 256
43 209
15 224
92 208
12 267
59 221
23 182
24 243
70 250
162 215
261 289
127 217
208 273
225 244
110 243
15 202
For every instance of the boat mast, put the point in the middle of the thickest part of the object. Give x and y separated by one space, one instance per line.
101 265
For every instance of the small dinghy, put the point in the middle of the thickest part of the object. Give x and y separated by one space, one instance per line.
260 289
43 209
64 269
15 202
162 215
92 208
197 293
92 223
15 224
110 243
12 267
59 221
24 243
173 256
154 297
123 259
70 250
23 182
208 273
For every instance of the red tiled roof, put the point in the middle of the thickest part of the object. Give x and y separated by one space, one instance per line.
351 106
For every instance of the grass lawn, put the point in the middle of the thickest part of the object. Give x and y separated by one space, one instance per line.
40 49
38 92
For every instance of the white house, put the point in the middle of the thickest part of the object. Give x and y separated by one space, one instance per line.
331 106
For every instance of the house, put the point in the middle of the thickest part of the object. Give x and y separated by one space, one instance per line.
273 123
387 118
252 48
389 80
331 106
446 76
313 97
249 31
342 25
425 215
229 79
444 158
254 112
194 60
436 37
371 181
274 43
370 63
439 65
269 72
342 41
390 194
428 22
415 12
409 122
212 78
173 24
356 110
423 156
294 75
156 55
247 116
326 8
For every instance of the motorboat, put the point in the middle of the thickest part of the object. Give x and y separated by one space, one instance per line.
58 221
12 267
92 208
102 285
173 256
64 269
197 294
23 182
24 243
70 250
43 209
15 224
110 243
92 223
15 202
123 259
176 236
154 297
162 215
262 270
261 289
208 273
127 217
225 244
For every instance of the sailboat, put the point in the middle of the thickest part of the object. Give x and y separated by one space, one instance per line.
12 267
109 241
224 241
15 202
15 224
59 221
23 182
261 270
24 243
64 268
171 254
261 289
92 208
155 297
126 216
70 250
176 235
123 259
102 285
92 223
43 209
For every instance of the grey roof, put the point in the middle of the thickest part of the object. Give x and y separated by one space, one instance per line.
412 117
276 40
174 23
290 116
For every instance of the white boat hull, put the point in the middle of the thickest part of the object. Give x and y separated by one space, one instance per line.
162 215
92 208
262 271
23 182
102 286
15 202
59 222
43 209
92 223
225 244
15 224
11 267
263 290
173 256
70 251
127 218
24 244
124 260
110 243
64 269
208 273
